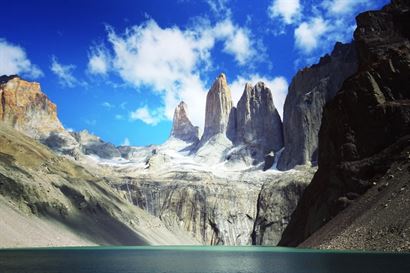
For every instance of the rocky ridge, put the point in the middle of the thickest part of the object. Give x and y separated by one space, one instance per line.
308 92
364 130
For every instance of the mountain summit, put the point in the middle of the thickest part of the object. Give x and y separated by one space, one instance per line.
219 115
182 127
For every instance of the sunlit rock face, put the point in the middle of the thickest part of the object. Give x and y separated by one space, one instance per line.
182 127
309 91
219 112
26 108
213 210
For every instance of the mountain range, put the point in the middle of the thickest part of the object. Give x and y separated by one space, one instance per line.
333 174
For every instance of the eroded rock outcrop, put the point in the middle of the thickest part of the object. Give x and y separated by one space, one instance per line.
182 127
26 108
258 122
364 129
308 92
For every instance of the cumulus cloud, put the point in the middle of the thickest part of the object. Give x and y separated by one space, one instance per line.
63 72
144 114
13 60
278 86
98 61
309 34
236 40
170 61
288 10
342 7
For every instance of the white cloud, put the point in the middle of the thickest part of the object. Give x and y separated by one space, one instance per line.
219 7
63 72
126 142
278 86
98 61
236 40
13 60
171 61
288 10
309 34
107 105
342 7
150 117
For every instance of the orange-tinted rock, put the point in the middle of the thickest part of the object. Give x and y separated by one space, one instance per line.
26 108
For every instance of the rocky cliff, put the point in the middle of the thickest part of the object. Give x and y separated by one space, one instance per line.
258 122
219 113
308 92
364 132
25 107
182 127
276 202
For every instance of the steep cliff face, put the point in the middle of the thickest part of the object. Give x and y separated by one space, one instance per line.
363 128
219 115
309 90
210 208
276 202
25 107
182 127
258 121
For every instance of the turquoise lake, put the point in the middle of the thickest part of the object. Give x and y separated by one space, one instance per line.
197 260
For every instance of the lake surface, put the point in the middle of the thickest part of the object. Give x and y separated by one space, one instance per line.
196 260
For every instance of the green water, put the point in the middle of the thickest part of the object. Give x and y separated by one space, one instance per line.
197 260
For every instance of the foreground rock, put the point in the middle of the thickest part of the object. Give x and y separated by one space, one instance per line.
365 130
49 196
310 89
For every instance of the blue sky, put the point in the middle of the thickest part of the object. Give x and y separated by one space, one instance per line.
119 68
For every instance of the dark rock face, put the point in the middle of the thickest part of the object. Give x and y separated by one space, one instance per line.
309 90
276 202
182 127
220 114
257 119
368 115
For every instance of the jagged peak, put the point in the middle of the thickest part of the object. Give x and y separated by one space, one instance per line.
182 127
